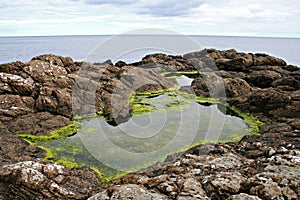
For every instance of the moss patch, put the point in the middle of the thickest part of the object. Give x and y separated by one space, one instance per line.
90 130
105 179
140 109
60 133
70 152
68 162
178 73
252 121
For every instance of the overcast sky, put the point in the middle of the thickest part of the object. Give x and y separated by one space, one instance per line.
276 18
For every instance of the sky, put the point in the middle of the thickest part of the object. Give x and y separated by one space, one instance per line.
266 18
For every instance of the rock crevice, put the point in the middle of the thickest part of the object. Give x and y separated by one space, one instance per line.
45 93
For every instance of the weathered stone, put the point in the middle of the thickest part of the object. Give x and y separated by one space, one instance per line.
11 83
130 191
257 167
262 78
209 86
243 196
263 59
36 176
192 189
237 88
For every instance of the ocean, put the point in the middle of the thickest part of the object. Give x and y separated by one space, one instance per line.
133 48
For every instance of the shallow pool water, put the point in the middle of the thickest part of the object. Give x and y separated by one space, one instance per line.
176 121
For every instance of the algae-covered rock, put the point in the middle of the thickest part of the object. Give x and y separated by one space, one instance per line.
47 93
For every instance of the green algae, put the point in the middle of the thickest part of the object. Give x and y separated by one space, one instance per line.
252 121
140 109
106 179
73 155
195 72
235 137
60 133
152 93
176 103
50 155
68 162
90 130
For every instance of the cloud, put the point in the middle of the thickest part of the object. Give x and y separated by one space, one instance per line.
222 17
56 21
162 8
156 8
111 2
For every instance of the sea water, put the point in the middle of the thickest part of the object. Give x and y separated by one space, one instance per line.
81 47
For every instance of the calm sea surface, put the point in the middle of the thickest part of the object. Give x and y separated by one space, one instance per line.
101 48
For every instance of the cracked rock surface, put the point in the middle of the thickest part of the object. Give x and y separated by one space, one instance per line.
46 92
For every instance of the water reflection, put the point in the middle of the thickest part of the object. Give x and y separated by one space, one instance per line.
176 122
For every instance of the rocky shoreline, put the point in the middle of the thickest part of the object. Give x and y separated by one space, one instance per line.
45 94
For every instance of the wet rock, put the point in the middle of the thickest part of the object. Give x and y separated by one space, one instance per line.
235 64
131 80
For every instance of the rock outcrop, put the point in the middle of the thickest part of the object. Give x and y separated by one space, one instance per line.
257 167
47 181
47 92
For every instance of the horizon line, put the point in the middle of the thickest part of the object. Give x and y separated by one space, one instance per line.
191 35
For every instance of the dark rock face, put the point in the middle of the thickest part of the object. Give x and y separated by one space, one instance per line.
46 92
237 88
49 90
210 85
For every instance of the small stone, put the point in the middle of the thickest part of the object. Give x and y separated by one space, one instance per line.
243 196
288 193
271 152
196 171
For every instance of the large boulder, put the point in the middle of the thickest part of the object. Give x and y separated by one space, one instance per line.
237 88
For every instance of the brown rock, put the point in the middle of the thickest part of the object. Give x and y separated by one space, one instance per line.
38 123
237 88
10 83
263 78
263 59
43 95
209 86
